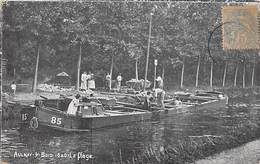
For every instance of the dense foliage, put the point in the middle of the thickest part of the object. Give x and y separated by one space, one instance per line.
119 30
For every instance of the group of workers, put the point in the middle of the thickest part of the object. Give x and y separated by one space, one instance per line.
157 94
108 84
87 81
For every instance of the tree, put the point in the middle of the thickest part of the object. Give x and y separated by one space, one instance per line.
135 52
108 36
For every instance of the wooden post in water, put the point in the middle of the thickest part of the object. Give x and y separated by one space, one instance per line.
225 73
36 68
78 66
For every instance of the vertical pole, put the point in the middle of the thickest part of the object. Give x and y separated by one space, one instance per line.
78 68
148 51
154 79
36 69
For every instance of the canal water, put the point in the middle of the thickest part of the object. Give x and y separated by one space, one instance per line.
120 144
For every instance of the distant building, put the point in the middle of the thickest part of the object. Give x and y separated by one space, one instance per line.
61 79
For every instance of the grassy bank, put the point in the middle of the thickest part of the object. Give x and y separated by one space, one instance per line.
192 148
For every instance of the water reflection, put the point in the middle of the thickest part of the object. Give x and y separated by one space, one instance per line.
122 142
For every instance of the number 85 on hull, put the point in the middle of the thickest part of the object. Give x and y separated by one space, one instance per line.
34 118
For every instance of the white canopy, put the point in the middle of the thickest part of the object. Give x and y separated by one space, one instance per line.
62 74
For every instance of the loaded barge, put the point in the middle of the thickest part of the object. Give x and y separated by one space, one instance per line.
99 112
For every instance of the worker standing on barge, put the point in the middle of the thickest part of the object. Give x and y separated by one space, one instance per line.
147 101
159 96
119 80
108 81
91 82
13 87
159 82
73 106
84 81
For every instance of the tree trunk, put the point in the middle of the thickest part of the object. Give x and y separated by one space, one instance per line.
225 73
163 69
136 69
235 79
211 73
182 72
111 71
244 74
14 74
36 69
78 67
253 74
197 73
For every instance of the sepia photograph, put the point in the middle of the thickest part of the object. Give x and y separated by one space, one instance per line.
130 82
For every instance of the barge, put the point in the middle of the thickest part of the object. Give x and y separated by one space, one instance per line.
97 112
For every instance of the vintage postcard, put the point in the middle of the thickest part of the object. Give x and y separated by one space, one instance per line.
130 82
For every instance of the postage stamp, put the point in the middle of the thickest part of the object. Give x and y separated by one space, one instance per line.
240 29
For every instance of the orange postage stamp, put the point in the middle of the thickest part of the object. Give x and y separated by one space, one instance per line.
240 29
2 162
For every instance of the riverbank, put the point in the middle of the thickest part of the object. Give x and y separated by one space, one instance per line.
236 128
245 154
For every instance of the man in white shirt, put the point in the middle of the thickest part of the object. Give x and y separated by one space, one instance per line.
108 81
91 82
119 80
73 106
159 82
13 87
159 96
84 81
88 77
